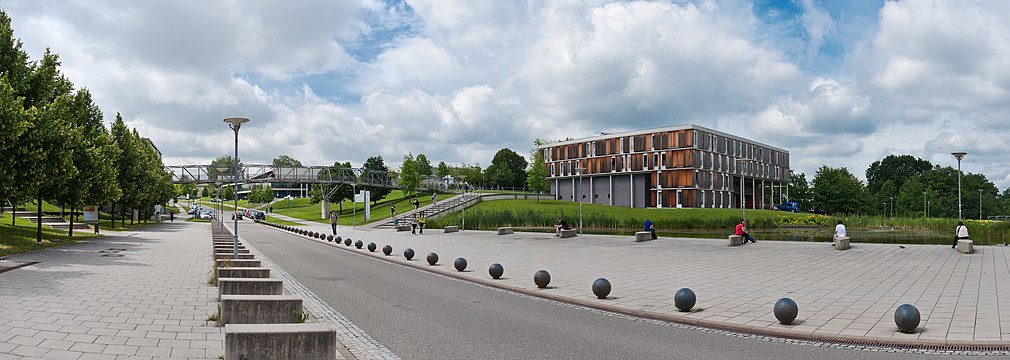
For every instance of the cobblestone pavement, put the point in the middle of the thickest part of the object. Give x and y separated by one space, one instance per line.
839 293
128 295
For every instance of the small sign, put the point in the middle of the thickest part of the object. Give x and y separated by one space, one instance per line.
359 198
90 214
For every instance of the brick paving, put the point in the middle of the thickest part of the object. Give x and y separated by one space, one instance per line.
839 293
129 295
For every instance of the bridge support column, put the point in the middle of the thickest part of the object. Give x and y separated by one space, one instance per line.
325 208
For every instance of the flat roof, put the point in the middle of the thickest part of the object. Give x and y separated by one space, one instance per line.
605 136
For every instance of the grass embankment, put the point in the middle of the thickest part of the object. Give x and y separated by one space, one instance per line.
21 237
302 208
279 221
104 219
534 215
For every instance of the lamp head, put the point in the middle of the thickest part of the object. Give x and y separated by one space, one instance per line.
236 122
959 155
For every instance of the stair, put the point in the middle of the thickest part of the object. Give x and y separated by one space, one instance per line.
450 204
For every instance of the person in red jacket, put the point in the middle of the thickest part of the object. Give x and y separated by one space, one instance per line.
741 230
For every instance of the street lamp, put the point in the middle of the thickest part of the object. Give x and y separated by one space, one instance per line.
925 213
892 206
462 178
959 155
743 185
235 124
580 170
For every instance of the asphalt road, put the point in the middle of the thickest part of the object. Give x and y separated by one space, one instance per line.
419 315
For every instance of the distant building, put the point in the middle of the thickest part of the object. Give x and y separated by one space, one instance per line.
676 166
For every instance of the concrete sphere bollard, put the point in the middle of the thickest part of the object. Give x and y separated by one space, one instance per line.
542 278
358 244
601 288
408 254
786 310
496 270
329 238
371 247
347 241
338 239
459 264
386 250
323 236
684 299
907 318
432 258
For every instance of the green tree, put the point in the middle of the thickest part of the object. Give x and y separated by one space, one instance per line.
443 169
884 198
284 160
536 178
409 177
128 167
223 166
423 165
799 189
911 201
897 169
14 123
375 163
837 191
337 192
261 194
507 169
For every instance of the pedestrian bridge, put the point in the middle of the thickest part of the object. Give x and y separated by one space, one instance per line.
223 174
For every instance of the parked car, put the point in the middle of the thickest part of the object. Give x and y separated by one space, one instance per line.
258 215
205 214
790 206
235 215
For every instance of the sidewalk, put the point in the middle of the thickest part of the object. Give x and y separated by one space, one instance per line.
125 295
847 295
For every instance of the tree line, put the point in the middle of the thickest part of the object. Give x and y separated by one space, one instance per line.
56 147
900 185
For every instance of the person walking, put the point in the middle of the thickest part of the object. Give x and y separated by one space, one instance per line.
960 233
392 211
413 223
741 230
416 203
434 198
420 223
333 222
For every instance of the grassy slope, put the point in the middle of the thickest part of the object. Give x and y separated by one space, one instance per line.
305 210
20 238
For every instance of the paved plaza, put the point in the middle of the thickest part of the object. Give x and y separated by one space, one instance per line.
125 295
849 294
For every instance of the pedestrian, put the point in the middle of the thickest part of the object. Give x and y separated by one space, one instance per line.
420 223
839 232
413 223
171 216
559 225
960 233
333 222
741 230
650 227
392 211
434 198
270 210
416 203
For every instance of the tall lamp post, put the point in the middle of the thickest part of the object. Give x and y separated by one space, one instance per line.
925 213
235 124
892 206
959 155
743 183
580 170
462 209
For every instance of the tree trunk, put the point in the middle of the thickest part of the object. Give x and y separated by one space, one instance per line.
132 209
71 222
38 216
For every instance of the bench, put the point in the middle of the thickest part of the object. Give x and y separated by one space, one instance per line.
311 341
505 231
569 233
450 229
243 263
243 272
249 286
260 309
402 227
965 246
231 255
736 240
230 249
841 243
643 236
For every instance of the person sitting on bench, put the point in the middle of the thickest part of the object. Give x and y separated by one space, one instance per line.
741 230
650 227
561 224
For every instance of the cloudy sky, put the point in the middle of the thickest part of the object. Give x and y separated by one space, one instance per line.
838 83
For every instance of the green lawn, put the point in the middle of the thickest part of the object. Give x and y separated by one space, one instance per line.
302 208
21 237
279 221
104 219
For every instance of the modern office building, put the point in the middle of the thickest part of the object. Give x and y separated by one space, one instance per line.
676 166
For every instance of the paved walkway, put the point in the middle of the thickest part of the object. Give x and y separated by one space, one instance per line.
127 295
845 294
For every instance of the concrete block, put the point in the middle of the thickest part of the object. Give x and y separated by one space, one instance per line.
450 229
965 246
232 256
505 231
569 233
311 341
735 240
402 227
230 249
260 309
249 286
643 236
225 263
841 243
243 272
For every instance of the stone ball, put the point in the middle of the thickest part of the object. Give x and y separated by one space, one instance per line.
542 278
459 264
386 250
496 270
408 254
907 318
684 299
358 244
371 247
432 258
786 310
347 241
601 288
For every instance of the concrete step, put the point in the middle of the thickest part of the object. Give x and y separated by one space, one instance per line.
312 341
260 309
